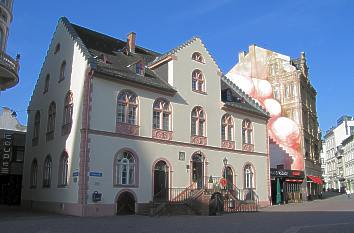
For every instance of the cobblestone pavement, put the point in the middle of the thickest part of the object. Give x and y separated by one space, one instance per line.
331 215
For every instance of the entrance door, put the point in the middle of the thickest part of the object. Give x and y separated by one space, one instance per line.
161 181
198 170
126 204
229 178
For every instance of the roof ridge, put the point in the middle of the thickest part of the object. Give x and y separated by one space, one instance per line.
244 95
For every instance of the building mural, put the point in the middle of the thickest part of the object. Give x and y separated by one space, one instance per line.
257 73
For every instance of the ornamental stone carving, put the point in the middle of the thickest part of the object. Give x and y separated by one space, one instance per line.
199 140
162 134
248 147
228 144
128 129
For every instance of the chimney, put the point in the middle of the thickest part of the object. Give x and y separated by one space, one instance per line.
241 56
131 42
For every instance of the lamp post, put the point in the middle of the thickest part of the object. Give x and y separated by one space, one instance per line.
225 163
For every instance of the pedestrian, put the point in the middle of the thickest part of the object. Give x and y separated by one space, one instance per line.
348 193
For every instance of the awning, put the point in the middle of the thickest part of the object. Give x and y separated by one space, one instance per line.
315 179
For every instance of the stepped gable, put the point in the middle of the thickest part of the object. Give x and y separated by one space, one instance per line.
240 99
108 56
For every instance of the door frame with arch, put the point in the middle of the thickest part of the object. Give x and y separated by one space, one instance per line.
193 169
167 179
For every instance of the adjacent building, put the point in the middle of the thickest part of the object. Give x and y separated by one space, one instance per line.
12 149
9 67
113 126
335 166
282 86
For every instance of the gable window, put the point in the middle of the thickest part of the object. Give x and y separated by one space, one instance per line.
127 107
248 173
198 57
34 173
51 121
63 170
125 169
139 68
198 83
62 71
198 122
57 48
46 83
162 115
68 113
37 123
47 172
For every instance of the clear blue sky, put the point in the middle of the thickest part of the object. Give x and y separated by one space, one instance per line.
324 29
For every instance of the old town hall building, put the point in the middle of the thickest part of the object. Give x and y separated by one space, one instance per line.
113 127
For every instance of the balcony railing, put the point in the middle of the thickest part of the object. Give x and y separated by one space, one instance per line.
9 62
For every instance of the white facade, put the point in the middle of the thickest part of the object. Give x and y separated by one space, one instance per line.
96 141
335 169
348 157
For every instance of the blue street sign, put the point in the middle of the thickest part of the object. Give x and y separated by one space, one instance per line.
97 174
75 173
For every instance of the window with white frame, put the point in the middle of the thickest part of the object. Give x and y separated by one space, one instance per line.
198 120
198 82
68 112
198 57
125 169
249 177
51 118
47 172
127 107
63 170
62 71
34 173
227 127
162 115
247 131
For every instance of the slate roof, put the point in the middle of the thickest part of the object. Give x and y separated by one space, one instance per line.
240 99
96 46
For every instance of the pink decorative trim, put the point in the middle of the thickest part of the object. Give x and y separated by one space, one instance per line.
248 147
162 134
84 147
128 129
199 140
177 143
228 144
200 92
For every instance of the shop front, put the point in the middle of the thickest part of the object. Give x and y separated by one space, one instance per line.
314 187
286 186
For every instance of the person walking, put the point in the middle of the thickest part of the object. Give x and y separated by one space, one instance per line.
348 193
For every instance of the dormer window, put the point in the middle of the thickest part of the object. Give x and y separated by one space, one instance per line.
139 68
198 57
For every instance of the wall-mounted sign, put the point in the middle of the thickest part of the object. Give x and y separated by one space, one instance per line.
6 153
75 174
96 174
286 173
182 155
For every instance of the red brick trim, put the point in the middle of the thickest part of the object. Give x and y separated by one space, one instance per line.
84 147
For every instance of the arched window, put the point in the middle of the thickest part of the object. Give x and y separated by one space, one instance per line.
68 113
36 127
125 168
198 57
47 172
34 173
127 107
198 83
227 128
162 115
247 131
51 121
249 177
46 83
62 71
57 48
63 169
198 122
